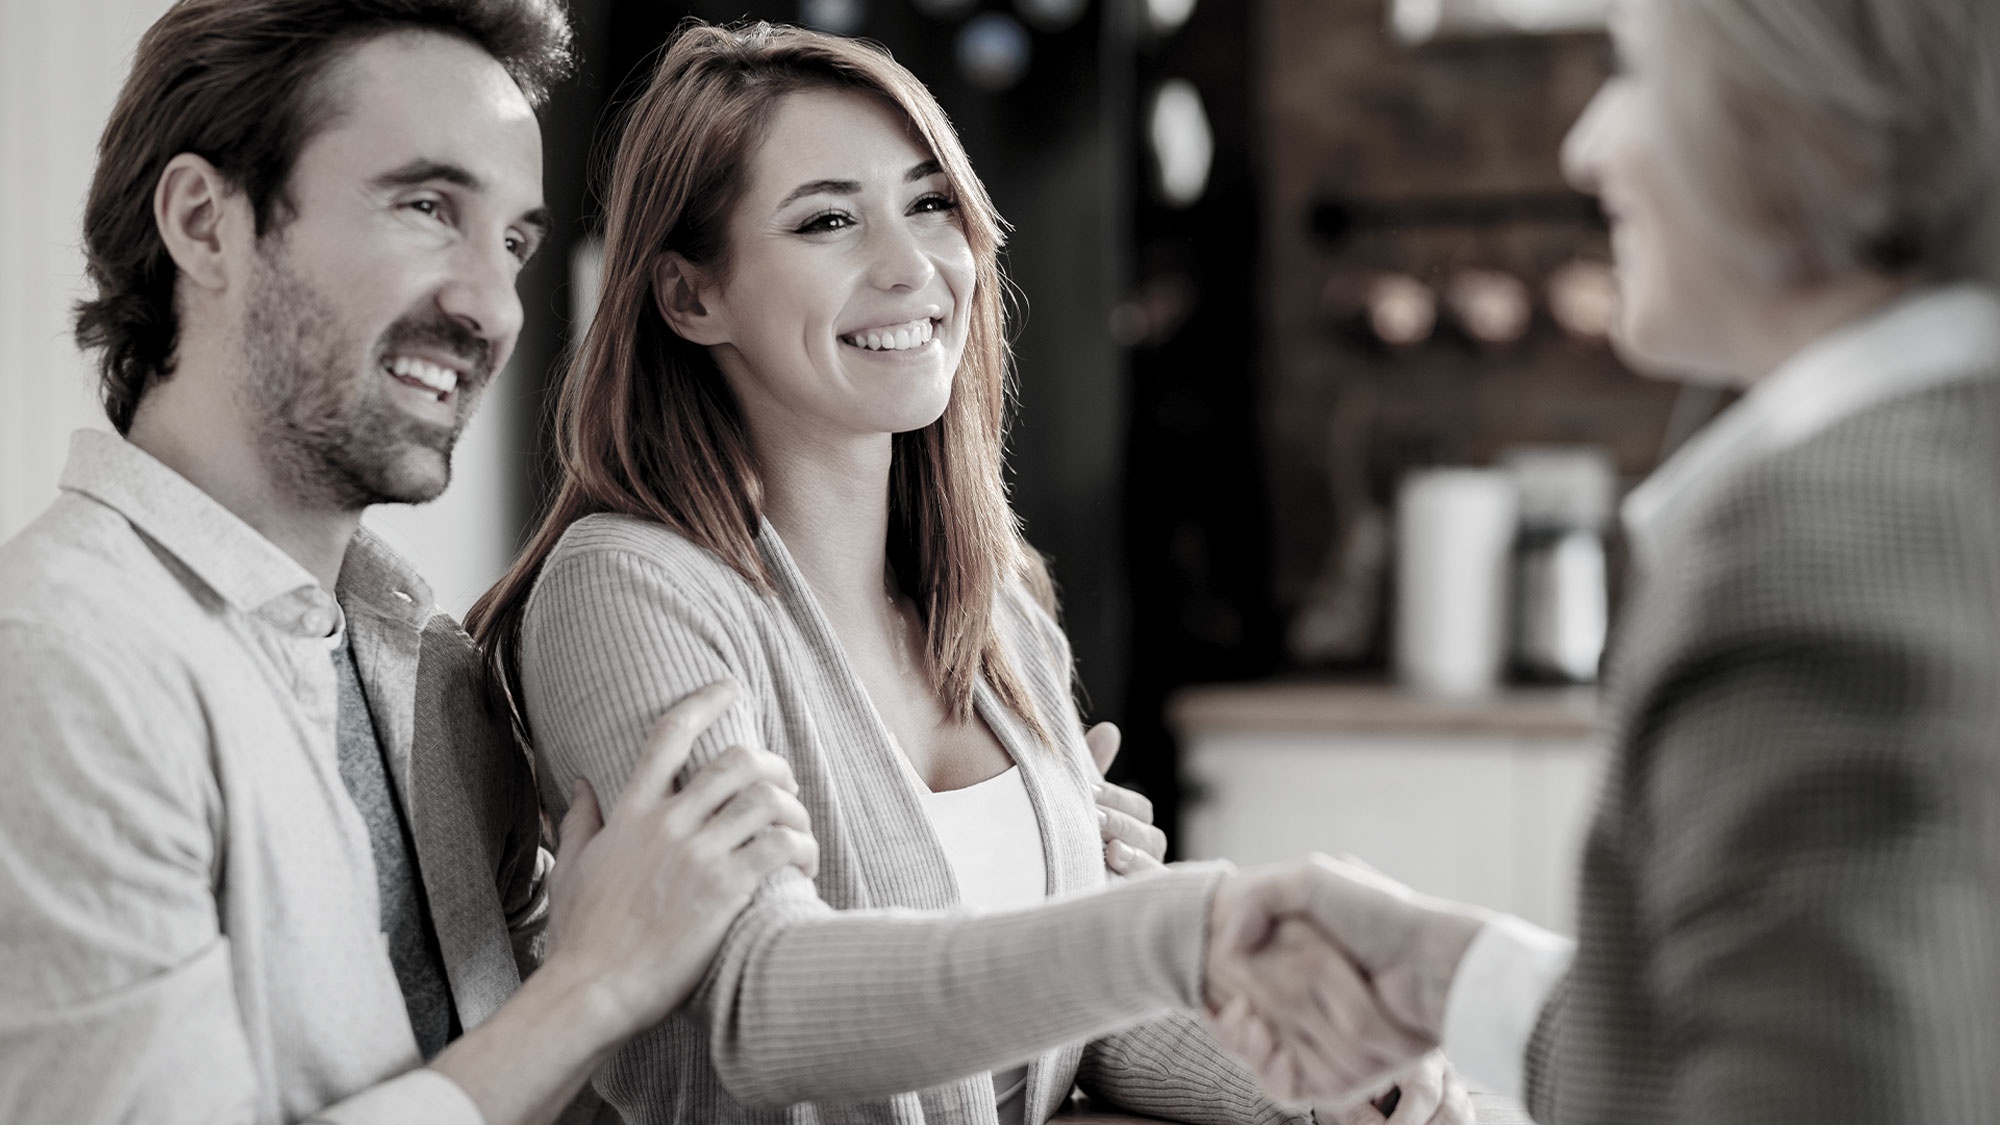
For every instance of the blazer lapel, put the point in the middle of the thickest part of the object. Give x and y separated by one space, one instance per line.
411 683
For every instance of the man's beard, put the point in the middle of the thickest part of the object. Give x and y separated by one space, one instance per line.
326 426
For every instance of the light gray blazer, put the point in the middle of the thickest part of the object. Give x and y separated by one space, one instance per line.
842 994
1791 895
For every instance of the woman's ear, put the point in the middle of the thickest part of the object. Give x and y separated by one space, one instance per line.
678 289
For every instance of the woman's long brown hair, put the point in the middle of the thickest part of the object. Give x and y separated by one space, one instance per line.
646 426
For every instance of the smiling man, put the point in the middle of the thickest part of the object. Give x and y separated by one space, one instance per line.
265 853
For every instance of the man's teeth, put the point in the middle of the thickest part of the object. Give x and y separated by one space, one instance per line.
443 380
896 338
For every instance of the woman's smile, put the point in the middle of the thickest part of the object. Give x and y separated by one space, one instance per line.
906 336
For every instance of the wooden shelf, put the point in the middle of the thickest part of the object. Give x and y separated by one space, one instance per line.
1347 706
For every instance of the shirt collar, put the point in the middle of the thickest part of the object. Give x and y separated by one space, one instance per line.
242 567
1927 339
375 576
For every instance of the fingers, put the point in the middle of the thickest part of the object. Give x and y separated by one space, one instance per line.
1103 740
758 807
1423 1092
1119 799
733 771
778 847
1457 1108
1323 1014
672 739
1140 836
581 823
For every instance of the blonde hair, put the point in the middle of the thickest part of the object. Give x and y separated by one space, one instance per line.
647 426
1826 137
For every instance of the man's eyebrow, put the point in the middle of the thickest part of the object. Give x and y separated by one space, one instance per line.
437 171
853 187
421 171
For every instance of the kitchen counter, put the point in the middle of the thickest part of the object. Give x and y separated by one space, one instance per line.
1484 801
1354 706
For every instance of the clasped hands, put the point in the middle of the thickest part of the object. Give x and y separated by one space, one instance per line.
1330 980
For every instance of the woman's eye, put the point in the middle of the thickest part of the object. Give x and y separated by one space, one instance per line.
429 208
831 221
935 203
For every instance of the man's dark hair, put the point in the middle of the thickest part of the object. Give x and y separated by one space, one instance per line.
239 83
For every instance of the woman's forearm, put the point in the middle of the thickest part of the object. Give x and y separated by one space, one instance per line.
860 1005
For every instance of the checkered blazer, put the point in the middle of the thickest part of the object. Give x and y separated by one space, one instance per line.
1791 893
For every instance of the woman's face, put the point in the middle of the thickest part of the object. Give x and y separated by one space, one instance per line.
1681 299
845 305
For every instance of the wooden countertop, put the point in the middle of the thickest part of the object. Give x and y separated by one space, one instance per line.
1562 712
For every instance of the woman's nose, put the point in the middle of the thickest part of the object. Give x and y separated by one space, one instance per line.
900 260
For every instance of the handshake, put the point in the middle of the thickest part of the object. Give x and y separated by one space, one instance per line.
1330 981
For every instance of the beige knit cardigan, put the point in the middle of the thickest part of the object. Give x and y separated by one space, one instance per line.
863 996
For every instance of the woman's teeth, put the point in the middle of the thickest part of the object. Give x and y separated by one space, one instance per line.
443 380
896 338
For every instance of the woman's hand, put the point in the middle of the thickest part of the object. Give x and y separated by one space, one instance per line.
1131 844
639 901
1430 1094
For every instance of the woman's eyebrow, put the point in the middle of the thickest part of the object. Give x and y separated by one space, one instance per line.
853 187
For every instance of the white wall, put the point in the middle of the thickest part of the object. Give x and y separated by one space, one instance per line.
61 64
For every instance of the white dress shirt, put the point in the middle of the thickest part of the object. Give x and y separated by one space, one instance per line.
1927 339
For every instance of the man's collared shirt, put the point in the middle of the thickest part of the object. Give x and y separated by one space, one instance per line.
187 892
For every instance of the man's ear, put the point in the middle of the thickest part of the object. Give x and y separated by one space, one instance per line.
194 208
678 289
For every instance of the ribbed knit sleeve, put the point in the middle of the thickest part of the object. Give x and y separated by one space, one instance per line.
804 1002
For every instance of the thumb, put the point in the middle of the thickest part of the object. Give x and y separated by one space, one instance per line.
581 824
1103 740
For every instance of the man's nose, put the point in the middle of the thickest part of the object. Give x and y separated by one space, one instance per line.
899 259
481 295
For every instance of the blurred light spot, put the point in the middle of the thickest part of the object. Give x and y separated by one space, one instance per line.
1492 306
1183 144
1401 310
1167 16
1583 298
993 51
842 17
1050 15
1416 21
945 9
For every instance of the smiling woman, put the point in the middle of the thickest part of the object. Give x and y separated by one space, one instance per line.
781 450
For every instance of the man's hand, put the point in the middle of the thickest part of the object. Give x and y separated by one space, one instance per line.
1428 1094
639 902
1301 1015
1325 1025
1132 846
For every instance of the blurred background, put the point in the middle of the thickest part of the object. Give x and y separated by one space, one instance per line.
1316 424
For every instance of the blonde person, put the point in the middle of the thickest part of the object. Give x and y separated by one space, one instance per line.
781 444
1791 893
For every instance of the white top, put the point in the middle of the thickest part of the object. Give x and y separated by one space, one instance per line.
994 843
1930 338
